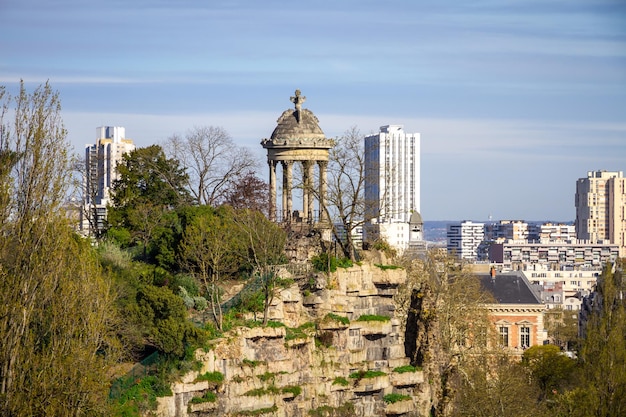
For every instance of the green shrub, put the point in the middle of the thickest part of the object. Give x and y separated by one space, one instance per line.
340 319
344 410
405 368
385 267
252 364
293 389
216 377
267 376
341 381
298 332
325 263
259 392
373 317
394 398
259 412
366 374
208 397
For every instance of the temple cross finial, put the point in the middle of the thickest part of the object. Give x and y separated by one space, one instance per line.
297 100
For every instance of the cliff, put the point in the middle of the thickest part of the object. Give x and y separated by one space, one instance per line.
340 352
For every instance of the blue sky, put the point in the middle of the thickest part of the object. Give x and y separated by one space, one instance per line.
514 100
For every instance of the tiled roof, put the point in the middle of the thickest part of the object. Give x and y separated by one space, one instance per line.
509 288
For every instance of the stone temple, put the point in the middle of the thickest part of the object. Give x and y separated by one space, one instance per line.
298 138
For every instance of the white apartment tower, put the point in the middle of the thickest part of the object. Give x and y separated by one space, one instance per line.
464 239
392 187
601 208
101 161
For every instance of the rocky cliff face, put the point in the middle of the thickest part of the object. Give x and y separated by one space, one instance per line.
337 355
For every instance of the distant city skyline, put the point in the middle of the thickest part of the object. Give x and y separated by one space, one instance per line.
514 101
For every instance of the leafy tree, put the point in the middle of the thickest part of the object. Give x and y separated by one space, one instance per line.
603 352
57 315
211 248
164 316
149 186
265 244
551 370
213 161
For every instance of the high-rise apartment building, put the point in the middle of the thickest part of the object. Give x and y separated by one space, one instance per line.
464 239
101 161
392 187
601 208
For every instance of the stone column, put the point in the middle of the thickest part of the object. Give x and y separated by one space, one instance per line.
305 190
309 191
272 202
287 185
322 199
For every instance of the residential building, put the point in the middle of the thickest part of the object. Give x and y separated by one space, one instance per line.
392 187
556 255
464 239
507 229
551 232
601 208
516 313
101 161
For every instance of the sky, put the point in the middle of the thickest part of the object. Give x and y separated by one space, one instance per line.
514 100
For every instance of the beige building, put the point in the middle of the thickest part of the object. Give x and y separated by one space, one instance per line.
601 208
101 161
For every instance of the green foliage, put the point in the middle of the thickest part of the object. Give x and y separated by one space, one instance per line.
341 381
135 396
386 267
251 363
373 317
259 412
383 246
215 377
340 319
292 389
208 397
395 397
267 376
549 367
328 263
299 332
405 368
344 410
366 374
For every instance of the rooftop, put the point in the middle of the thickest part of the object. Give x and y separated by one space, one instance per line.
509 288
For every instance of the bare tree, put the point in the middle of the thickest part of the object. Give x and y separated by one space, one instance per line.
212 161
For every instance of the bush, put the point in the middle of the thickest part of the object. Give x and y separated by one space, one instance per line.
340 319
326 263
208 397
394 398
404 369
292 389
341 381
373 317
200 303
366 374
216 377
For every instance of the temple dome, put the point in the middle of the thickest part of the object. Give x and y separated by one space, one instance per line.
297 124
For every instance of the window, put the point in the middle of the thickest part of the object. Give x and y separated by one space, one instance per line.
503 336
524 336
